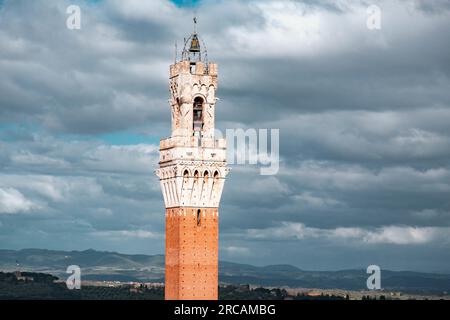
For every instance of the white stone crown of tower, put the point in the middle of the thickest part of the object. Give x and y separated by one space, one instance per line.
192 161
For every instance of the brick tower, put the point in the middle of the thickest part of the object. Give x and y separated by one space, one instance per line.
192 174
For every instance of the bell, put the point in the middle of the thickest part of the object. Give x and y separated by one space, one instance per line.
195 44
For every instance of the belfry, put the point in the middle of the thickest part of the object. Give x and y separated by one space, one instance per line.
192 171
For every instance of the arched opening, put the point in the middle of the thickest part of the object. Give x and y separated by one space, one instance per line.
215 182
206 175
196 174
198 116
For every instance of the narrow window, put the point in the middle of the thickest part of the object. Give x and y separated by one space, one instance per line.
198 116
199 218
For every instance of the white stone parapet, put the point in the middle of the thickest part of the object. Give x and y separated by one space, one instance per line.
192 184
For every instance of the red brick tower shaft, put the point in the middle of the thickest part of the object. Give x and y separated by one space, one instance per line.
191 254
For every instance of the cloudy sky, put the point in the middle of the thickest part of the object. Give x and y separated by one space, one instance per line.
364 119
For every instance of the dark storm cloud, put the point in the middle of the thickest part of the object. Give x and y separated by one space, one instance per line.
364 143
94 80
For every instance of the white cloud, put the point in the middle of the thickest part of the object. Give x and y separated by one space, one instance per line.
310 200
399 235
12 201
295 28
405 235
155 10
129 159
26 158
119 234
325 175
374 136
237 251
54 188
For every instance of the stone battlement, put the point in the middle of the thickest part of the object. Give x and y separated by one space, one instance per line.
192 142
198 68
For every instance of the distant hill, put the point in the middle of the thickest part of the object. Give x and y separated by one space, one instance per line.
99 265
